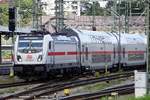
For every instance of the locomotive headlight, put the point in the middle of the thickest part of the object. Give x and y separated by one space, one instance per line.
19 58
39 58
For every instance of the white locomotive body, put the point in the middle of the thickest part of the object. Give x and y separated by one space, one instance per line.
31 53
45 53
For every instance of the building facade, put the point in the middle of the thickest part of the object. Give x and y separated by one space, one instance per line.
49 9
70 7
3 1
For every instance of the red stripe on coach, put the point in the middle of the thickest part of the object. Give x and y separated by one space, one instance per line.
101 52
56 53
137 52
72 53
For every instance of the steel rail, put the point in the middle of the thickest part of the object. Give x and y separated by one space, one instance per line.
120 90
8 85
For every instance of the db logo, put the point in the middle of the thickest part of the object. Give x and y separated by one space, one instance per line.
29 56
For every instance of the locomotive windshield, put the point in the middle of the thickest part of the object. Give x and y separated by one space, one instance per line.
30 44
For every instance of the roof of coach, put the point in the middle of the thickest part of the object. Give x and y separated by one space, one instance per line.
144 37
64 38
132 39
94 36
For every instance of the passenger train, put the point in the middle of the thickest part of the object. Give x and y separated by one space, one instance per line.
75 51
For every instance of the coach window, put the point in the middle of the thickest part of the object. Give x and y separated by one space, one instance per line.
82 52
49 45
114 53
123 52
86 50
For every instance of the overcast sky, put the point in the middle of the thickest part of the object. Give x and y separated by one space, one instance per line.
103 3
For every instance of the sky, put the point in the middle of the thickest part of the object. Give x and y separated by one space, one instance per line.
103 3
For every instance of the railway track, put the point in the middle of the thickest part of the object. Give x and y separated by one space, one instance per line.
50 88
23 83
120 90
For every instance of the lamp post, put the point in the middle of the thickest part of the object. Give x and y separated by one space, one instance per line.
93 13
119 32
59 11
148 42
35 24
0 38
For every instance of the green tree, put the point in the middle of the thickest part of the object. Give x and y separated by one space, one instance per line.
4 15
92 9
25 12
137 7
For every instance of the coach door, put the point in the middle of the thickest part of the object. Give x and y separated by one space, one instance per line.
114 54
123 54
85 55
108 56
50 52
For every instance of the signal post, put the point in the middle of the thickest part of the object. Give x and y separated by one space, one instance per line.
11 27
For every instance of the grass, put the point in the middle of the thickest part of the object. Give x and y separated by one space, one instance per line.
141 98
101 85
7 79
126 97
95 87
9 90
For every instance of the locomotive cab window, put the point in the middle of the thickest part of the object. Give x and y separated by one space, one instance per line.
32 46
